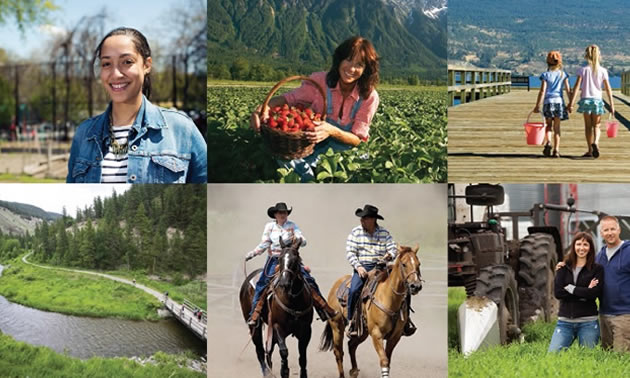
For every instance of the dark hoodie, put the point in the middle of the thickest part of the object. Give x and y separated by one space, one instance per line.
615 298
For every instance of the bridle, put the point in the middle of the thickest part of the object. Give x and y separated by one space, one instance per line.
296 275
405 277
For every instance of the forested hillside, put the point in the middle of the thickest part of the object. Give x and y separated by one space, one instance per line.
517 34
269 39
157 228
29 211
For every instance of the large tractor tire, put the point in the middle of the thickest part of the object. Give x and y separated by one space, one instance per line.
497 282
537 261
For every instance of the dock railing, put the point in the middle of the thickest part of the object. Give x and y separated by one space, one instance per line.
470 83
625 83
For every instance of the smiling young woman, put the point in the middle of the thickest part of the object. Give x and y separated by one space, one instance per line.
134 141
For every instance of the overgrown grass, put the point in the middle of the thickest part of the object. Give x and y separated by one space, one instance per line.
456 296
23 360
9 177
193 290
75 293
529 359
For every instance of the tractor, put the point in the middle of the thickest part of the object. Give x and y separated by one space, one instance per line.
507 282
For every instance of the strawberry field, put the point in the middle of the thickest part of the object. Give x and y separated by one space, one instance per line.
407 141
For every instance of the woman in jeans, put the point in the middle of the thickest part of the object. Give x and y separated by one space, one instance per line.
578 283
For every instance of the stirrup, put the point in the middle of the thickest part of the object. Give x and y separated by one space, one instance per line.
409 328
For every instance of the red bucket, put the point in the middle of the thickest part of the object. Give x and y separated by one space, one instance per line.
534 131
611 128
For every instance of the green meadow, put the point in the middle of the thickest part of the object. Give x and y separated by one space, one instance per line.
178 290
23 360
530 358
74 293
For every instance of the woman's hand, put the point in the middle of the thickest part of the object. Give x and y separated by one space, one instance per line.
560 265
593 283
257 117
322 131
536 109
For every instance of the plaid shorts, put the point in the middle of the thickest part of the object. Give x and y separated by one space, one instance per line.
591 106
555 110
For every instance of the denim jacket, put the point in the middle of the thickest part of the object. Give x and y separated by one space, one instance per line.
164 147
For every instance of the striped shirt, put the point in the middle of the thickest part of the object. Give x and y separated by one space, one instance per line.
114 167
362 247
270 240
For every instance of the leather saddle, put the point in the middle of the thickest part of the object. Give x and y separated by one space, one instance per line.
375 276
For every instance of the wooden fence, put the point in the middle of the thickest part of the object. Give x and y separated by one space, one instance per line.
470 84
625 83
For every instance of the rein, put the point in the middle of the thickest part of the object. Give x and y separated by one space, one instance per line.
403 278
295 313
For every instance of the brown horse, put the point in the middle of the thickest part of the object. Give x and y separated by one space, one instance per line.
384 312
288 312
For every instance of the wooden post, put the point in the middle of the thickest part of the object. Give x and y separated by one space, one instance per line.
451 82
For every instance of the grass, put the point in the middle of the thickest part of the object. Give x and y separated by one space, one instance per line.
75 293
23 360
529 359
194 291
25 179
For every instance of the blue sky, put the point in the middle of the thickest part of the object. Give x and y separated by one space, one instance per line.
144 15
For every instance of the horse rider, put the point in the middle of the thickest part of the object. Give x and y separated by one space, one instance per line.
283 228
367 244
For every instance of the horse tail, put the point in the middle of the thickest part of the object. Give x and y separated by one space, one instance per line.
326 341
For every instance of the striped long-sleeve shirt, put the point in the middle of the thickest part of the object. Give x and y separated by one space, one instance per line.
114 167
363 247
270 240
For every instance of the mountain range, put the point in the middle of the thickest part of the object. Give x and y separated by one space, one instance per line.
301 35
518 34
18 218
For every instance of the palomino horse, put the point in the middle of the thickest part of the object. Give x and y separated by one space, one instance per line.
384 312
289 311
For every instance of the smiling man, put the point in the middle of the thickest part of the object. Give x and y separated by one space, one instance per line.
615 301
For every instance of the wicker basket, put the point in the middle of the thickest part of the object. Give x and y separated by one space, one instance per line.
283 144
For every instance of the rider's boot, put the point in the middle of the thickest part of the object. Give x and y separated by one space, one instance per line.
410 328
324 311
255 316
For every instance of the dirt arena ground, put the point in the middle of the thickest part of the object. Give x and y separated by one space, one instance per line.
413 214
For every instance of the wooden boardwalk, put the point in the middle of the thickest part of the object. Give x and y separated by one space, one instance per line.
185 313
486 143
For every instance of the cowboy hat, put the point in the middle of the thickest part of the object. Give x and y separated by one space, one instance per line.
280 206
368 211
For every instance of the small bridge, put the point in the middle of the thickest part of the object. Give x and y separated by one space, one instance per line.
486 142
189 315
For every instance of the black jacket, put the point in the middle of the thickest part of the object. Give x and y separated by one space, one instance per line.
582 301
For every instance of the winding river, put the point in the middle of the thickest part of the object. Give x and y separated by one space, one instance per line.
86 337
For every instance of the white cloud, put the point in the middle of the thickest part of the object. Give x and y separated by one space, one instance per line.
53 30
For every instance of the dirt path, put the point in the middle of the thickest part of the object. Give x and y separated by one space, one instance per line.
155 293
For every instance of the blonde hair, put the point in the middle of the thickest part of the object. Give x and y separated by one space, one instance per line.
554 67
593 57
